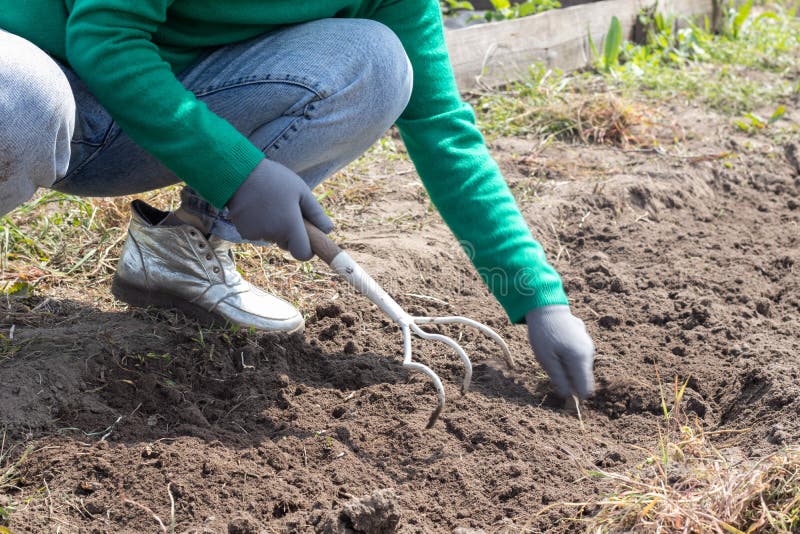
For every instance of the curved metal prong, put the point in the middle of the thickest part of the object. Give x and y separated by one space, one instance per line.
455 346
406 343
437 382
469 322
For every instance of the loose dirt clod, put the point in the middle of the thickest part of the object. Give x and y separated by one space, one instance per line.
243 524
377 513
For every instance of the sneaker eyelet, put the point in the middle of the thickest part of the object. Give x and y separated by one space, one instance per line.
209 256
192 233
216 270
201 245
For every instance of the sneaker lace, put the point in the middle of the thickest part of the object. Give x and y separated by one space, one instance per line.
222 249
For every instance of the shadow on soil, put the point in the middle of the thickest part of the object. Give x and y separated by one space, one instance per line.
145 375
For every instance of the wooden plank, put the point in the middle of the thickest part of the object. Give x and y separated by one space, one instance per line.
493 54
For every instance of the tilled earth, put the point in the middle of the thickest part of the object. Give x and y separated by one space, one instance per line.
683 263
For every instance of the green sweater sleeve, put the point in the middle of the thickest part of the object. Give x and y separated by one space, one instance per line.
462 179
108 43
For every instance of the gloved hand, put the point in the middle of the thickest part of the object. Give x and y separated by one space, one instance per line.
270 206
563 347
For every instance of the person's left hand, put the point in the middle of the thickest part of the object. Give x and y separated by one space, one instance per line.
563 347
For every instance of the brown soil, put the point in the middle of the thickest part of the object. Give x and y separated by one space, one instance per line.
682 264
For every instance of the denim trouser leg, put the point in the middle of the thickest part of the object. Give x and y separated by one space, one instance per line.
312 96
37 119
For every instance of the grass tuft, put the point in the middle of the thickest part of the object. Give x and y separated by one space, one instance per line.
553 106
689 483
748 67
9 468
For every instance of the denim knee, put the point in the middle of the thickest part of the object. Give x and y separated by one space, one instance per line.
36 100
393 77
376 77
37 119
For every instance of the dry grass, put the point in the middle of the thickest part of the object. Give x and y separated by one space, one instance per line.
694 483
596 119
9 467
578 112
703 489
59 241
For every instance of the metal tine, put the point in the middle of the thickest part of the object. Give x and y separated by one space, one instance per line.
439 389
475 324
414 323
437 382
343 264
455 346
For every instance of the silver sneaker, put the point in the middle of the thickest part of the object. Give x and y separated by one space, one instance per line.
178 267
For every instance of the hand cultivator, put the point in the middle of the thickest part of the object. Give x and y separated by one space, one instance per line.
343 264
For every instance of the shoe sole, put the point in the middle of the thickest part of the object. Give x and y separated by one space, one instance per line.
142 298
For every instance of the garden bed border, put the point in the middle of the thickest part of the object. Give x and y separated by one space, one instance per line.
488 55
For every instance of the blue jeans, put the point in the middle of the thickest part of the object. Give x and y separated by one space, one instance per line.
312 96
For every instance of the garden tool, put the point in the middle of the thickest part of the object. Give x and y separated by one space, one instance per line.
343 264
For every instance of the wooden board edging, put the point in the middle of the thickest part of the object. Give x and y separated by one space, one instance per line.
495 53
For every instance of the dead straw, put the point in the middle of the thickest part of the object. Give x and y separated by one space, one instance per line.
688 484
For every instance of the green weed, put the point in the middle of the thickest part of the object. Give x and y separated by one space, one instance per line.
612 45
743 67
751 122
503 9
749 65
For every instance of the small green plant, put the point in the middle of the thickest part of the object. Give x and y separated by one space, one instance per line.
17 288
327 441
504 9
200 339
152 356
7 347
450 7
736 19
752 123
612 45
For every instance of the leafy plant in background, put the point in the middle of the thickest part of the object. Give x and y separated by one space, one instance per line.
612 45
673 41
744 40
504 9
737 18
680 60
450 7
669 40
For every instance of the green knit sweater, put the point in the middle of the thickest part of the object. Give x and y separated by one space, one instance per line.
128 52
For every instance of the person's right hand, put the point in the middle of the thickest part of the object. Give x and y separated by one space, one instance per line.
270 206
563 347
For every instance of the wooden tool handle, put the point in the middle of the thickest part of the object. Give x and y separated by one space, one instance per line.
321 244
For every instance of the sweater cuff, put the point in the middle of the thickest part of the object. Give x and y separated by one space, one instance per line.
239 161
518 304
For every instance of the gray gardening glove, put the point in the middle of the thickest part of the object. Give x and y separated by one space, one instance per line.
270 206
563 347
